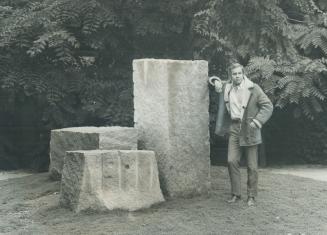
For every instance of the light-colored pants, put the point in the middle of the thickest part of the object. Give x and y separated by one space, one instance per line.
234 157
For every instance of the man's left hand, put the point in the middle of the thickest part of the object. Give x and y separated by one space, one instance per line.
253 125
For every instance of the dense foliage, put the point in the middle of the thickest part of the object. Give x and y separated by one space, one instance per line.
284 46
68 63
67 59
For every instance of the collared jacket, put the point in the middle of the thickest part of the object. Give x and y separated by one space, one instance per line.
256 107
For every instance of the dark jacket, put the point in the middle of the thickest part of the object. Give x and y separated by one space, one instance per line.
256 105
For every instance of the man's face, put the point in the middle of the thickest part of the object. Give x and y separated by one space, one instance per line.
237 75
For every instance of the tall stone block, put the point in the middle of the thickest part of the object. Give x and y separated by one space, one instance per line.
171 102
102 180
87 138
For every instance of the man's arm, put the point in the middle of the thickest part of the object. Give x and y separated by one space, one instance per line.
265 108
216 82
218 86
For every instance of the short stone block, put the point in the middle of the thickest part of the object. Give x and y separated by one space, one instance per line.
87 138
101 180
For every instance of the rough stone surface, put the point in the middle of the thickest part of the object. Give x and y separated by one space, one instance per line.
87 138
171 102
102 180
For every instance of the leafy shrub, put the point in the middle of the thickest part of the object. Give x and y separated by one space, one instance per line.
69 63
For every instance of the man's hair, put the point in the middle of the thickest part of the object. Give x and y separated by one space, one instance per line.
233 66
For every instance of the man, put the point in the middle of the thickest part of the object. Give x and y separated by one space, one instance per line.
248 109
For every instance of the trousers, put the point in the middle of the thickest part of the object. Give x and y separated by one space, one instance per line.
235 152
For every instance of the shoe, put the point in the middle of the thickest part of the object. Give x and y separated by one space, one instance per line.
251 201
234 199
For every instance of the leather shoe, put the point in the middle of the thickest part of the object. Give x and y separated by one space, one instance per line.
234 199
251 201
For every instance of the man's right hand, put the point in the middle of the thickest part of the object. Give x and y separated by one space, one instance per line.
218 86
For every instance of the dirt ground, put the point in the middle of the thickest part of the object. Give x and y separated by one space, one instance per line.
286 205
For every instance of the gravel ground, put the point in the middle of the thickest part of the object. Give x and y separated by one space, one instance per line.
286 205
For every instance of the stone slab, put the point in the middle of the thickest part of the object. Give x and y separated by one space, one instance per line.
87 138
101 180
171 102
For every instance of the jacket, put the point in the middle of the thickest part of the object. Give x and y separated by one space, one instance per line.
256 107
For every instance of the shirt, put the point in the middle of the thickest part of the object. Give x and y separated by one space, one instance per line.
235 101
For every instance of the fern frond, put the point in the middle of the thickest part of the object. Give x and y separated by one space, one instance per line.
315 92
323 45
265 65
306 92
316 106
306 109
317 38
281 103
284 81
314 66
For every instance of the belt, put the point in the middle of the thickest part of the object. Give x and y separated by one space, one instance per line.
236 120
